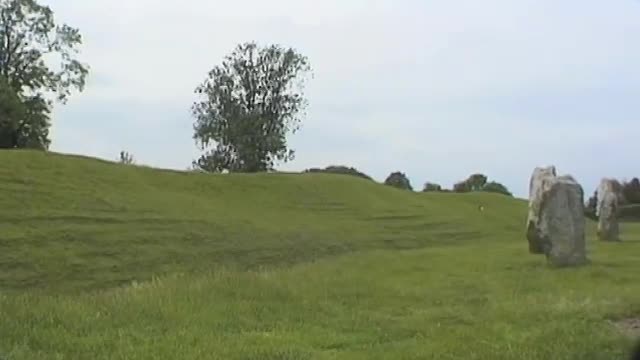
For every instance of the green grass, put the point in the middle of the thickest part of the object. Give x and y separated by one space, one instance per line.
284 266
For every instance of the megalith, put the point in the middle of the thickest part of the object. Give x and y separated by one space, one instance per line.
607 210
556 223
539 176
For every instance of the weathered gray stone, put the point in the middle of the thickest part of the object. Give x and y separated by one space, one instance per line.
607 210
539 176
556 223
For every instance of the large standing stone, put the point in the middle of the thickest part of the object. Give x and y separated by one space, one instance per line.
607 210
539 176
556 223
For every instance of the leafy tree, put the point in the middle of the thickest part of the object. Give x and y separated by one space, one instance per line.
248 105
10 108
340 169
28 36
24 123
399 180
126 158
476 182
496 187
461 187
631 191
431 187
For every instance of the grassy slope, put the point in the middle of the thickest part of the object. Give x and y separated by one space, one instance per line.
438 279
73 223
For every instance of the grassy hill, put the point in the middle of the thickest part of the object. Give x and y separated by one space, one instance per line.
76 223
286 266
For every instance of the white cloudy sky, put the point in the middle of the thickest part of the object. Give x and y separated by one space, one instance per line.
435 88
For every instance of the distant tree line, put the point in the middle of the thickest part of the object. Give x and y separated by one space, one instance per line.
399 180
631 191
475 182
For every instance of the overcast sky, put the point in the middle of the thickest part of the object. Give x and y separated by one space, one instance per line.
437 89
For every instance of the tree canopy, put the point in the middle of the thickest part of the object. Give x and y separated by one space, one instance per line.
479 182
431 187
476 182
248 105
399 180
631 191
461 187
30 41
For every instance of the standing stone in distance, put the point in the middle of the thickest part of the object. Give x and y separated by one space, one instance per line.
556 223
607 210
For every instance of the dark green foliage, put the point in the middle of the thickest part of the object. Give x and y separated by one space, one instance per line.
591 205
27 125
10 108
431 187
478 182
399 180
474 182
28 35
631 191
461 187
340 169
248 105
10 104
496 187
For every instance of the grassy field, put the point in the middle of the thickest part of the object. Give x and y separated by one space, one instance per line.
103 261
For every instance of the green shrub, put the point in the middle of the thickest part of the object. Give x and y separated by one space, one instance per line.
631 191
399 180
431 187
478 182
461 187
340 169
